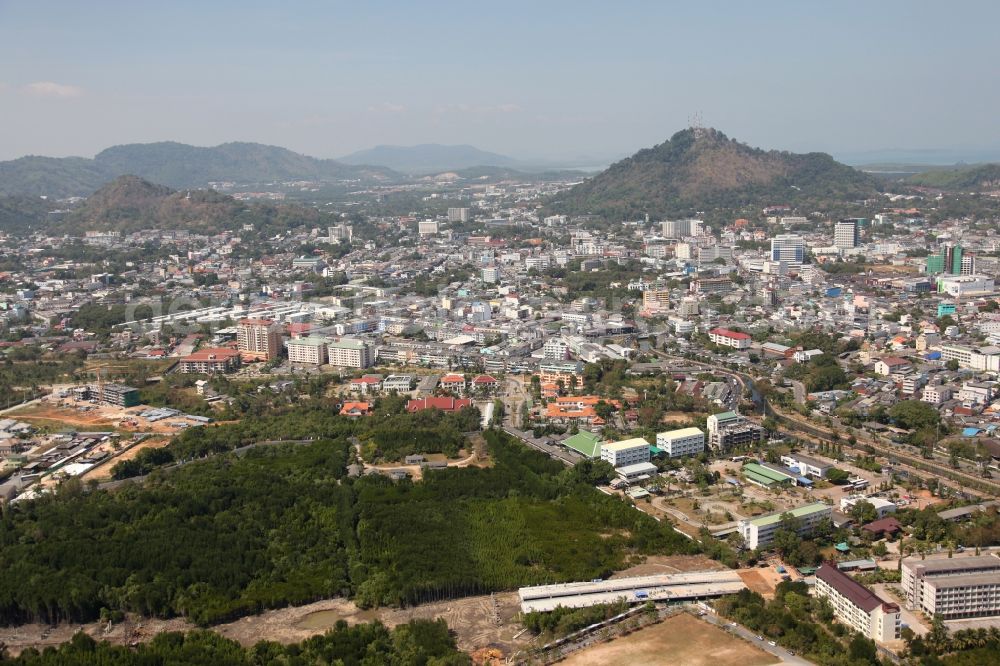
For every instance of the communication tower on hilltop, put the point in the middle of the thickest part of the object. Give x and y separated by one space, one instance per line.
696 122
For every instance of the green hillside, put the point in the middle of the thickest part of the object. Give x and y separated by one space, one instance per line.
130 203
973 177
705 170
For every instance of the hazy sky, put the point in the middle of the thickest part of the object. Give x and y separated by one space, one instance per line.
529 79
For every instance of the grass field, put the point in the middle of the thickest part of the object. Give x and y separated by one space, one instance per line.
681 639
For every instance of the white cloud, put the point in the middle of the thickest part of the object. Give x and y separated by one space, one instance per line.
387 107
50 89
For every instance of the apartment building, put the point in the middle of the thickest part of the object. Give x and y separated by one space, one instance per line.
856 606
210 361
349 353
258 339
953 588
681 442
726 338
759 532
656 300
309 350
555 349
935 394
627 452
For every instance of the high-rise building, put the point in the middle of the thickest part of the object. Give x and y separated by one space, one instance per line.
952 259
258 339
340 232
789 248
427 227
681 228
458 214
846 234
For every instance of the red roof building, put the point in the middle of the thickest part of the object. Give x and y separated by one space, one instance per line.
211 360
726 338
443 403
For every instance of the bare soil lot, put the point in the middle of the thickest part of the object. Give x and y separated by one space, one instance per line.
681 639
473 619
670 564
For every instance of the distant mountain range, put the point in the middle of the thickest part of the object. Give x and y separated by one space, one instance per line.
703 169
175 165
428 158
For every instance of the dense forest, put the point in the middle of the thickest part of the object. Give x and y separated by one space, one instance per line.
276 525
419 643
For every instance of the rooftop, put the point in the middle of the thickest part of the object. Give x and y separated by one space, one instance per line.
626 444
856 593
797 512
681 432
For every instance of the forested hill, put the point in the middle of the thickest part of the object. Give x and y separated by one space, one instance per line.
703 169
175 165
976 177
130 203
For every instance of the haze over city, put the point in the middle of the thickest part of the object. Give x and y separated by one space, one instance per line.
550 81
468 334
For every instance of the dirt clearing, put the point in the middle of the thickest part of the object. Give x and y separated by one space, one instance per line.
681 639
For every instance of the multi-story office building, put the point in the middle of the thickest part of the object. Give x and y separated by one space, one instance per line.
309 350
458 215
759 532
349 353
427 227
789 248
951 259
953 588
856 606
627 452
258 339
681 442
846 234
340 232
491 275
681 228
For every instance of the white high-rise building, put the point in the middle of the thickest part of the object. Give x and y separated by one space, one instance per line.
427 227
789 248
458 214
846 234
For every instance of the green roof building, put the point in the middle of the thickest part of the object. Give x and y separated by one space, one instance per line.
586 443
766 477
